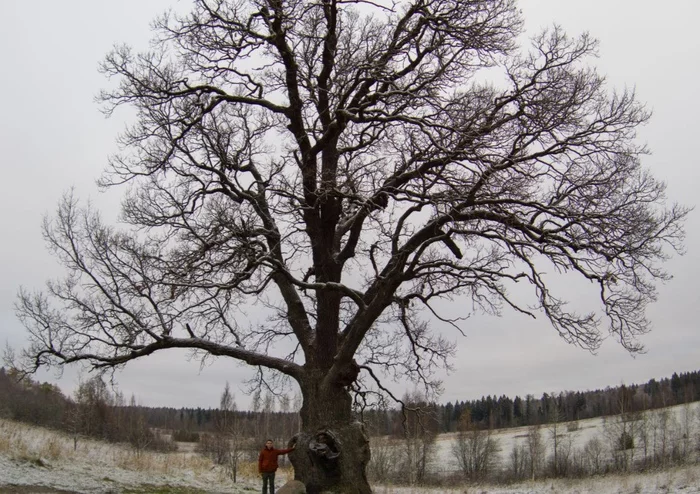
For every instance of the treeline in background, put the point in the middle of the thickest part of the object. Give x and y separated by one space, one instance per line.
491 412
276 416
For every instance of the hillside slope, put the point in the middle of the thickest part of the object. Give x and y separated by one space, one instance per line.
31 456
35 460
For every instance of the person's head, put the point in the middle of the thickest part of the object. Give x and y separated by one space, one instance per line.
269 444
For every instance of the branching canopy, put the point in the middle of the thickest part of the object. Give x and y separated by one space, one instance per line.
327 172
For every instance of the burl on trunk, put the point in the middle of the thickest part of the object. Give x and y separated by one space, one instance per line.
332 450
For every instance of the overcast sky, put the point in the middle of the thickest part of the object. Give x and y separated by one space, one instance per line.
52 137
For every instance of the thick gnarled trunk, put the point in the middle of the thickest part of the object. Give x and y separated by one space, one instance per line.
332 450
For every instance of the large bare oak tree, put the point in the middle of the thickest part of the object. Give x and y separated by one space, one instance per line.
309 181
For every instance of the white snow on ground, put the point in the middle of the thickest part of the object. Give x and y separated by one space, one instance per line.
579 433
684 480
31 456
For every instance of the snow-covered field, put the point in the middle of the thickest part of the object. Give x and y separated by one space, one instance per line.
38 460
678 421
31 456
684 480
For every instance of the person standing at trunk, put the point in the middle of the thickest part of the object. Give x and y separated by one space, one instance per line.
267 465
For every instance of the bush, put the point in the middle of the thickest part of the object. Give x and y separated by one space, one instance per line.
476 452
141 438
382 466
625 441
162 444
185 436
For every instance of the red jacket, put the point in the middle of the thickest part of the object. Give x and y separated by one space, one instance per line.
267 461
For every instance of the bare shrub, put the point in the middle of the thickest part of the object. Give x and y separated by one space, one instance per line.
213 446
420 427
535 449
594 454
418 453
475 451
518 462
385 460
228 443
663 424
685 433
561 464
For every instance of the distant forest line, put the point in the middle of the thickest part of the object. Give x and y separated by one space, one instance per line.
95 410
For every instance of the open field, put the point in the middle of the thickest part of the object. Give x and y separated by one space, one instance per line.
35 460
31 456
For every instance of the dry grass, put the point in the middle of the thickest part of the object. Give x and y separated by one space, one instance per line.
39 446
248 469
34 445
101 466
13 439
24 442
53 449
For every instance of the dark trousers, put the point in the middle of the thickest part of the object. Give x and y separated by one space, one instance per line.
268 479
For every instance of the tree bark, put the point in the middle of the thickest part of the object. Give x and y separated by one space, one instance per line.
332 450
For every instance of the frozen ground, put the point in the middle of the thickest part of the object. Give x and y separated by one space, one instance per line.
682 480
579 435
31 456
34 460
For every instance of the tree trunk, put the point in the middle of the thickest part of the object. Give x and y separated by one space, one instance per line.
332 450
